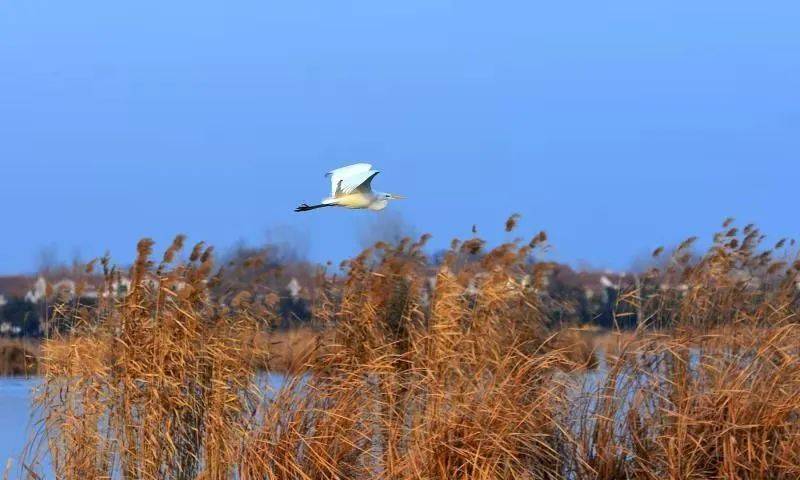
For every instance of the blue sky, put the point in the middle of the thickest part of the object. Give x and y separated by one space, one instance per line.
616 126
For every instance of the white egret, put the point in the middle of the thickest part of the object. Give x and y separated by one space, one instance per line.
351 187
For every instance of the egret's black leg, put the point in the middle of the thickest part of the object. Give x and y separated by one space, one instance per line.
306 207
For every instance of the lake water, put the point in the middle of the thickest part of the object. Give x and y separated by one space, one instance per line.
16 424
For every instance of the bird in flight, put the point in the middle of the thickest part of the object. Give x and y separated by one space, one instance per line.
351 187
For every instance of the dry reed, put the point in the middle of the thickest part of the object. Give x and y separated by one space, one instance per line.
18 357
437 372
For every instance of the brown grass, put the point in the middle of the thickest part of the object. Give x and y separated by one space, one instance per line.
19 357
283 351
578 345
288 351
696 406
461 377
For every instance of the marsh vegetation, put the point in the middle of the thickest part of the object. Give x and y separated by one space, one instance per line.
438 371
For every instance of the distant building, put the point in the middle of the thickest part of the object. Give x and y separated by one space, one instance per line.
7 329
64 289
294 288
38 292
121 286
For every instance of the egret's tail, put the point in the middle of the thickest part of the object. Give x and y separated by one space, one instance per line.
306 207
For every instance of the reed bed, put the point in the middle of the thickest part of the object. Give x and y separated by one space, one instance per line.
289 351
18 357
453 370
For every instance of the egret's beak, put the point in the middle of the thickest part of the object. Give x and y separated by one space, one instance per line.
397 197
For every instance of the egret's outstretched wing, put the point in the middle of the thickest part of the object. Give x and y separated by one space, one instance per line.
341 175
360 182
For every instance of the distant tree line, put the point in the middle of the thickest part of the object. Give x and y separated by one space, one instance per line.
290 283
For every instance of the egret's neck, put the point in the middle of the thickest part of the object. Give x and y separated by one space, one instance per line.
379 203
